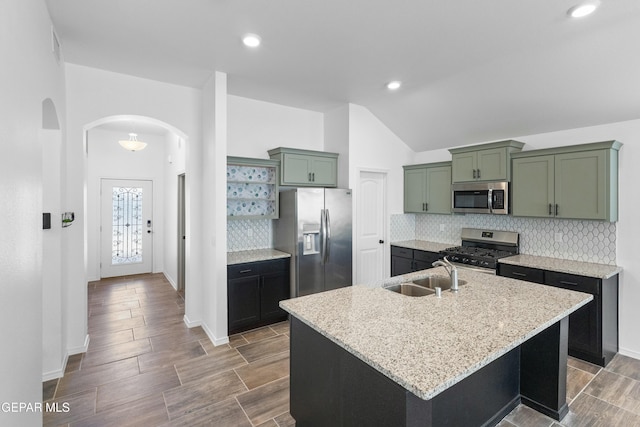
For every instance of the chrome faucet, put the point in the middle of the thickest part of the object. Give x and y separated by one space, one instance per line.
451 269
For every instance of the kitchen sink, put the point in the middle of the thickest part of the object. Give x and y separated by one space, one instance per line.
410 289
432 282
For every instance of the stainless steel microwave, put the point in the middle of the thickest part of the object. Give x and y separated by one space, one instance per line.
481 197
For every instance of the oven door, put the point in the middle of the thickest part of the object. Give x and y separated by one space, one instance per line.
481 198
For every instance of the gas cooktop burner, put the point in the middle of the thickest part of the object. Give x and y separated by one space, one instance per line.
482 248
479 252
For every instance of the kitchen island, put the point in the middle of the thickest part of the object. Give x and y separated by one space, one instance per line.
364 355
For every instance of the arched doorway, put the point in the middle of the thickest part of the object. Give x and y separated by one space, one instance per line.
161 163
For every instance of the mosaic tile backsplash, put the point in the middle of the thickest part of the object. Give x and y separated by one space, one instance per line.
589 241
238 238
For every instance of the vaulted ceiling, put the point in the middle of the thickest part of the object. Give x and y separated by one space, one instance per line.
472 71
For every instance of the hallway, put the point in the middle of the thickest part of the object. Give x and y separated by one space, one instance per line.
145 367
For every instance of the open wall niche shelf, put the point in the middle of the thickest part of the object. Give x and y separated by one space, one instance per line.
252 188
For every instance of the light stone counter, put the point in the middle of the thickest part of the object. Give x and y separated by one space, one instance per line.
589 269
427 344
255 255
423 245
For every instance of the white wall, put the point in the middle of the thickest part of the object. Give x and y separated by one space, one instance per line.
254 127
336 140
214 187
107 159
373 146
30 74
176 151
53 344
92 95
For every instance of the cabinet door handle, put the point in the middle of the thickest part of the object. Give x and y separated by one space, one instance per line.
245 271
474 174
478 173
426 207
309 178
515 273
568 283
313 176
556 209
550 209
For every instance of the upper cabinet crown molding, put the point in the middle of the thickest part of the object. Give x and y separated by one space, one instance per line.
306 168
603 145
484 162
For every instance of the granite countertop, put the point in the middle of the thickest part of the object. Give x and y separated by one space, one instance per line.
422 245
254 255
427 344
589 269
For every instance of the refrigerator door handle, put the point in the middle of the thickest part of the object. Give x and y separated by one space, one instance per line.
323 235
327 246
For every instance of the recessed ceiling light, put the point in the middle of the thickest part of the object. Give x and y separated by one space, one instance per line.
251 40
394 85
583 9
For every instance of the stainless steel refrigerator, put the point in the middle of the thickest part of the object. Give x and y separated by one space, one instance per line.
315 228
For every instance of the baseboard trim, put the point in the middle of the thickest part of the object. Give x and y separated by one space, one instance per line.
58 373
170 280
81 349
629 353
190 323
216 341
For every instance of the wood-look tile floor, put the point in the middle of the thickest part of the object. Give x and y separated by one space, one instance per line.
144 367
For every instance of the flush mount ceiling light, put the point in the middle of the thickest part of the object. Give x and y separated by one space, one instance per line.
132 144
251 40
394 85
583 9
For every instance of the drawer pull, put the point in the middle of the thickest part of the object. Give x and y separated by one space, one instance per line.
245 271
568 283
515 273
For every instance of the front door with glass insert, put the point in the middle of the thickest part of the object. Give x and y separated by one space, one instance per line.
126 227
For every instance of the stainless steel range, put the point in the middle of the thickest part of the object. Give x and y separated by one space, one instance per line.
481 249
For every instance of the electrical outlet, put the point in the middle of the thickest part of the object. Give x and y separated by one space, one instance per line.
249 232
558 237
441 227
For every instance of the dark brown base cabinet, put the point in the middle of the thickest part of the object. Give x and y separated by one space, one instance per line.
593 329
332 387
405 260
254 291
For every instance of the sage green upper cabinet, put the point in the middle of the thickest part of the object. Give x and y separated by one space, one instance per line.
574 182
486 162
306 168
535 183
427 188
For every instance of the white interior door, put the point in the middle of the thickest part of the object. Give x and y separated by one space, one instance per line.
126 227
370 226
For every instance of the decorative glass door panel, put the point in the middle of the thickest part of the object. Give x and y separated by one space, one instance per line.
126 227
127 223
